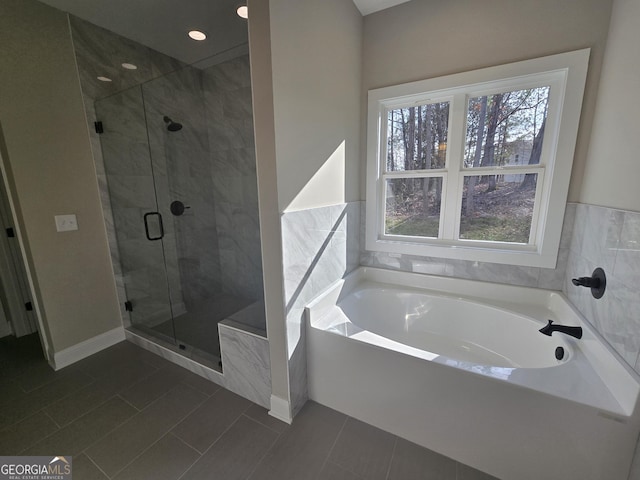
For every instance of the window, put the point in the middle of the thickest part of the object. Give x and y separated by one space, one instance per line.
475 165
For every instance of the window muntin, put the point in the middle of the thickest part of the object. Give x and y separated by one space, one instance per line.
540 101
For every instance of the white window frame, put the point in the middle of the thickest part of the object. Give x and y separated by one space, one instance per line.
566 75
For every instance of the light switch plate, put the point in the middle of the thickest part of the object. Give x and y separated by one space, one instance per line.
66 223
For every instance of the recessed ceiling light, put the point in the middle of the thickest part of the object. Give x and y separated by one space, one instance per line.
104 79
243 11
197 35
129 66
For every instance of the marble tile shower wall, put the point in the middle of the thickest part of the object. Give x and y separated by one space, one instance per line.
548 278
610 239
182 172
319 246
229 112
100 52
209 165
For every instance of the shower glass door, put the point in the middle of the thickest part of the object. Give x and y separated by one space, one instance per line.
138 224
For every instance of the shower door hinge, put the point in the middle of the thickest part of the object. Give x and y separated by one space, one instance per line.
28 306
128 306
10 232
99 127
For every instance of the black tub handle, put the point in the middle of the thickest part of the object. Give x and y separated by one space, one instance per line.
146 226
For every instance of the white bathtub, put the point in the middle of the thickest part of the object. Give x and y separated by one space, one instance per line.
459 367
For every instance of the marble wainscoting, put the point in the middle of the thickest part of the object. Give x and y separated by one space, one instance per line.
319 245
547 278
610 239
246 368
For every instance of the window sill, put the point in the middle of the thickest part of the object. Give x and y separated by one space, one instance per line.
525 256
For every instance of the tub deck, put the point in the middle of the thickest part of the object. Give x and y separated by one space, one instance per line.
580 414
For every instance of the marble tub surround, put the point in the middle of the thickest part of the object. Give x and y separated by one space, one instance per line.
610 239
547 278
320 246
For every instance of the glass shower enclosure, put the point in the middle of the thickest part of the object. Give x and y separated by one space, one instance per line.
180 167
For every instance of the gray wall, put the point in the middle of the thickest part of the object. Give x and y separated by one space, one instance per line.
462 35
51 173
612 169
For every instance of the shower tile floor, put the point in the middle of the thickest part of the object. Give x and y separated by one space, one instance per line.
198 327
125 413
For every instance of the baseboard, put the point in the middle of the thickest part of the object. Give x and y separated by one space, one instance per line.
281 409
5 328
84 349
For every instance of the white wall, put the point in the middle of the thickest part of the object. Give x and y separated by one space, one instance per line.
316 58
270 235
429 38
612 171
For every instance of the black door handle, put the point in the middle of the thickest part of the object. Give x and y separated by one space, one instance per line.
146 226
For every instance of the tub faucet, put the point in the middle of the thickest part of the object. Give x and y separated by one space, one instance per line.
550 328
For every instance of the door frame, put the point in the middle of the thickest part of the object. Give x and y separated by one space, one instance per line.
15 271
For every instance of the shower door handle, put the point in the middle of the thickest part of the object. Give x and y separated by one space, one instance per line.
146 226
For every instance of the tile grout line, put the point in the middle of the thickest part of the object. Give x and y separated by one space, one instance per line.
170 432
137 456
135 415
393 454
202 454
96 465
51 418
65 426
138 410
258 421
333 445
46 405
209 395
221 435
259 462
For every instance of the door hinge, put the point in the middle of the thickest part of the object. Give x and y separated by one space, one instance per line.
28 306
128 306
99 127
10 232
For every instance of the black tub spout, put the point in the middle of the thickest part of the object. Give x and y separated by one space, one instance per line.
550 328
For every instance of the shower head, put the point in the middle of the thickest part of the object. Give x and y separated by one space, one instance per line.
171 125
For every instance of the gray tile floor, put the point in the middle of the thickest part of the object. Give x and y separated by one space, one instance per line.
125 413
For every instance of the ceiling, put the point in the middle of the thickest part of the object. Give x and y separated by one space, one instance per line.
371 6
163 24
